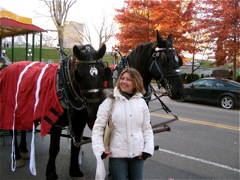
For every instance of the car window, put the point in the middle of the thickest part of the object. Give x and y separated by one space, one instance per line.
233 84
203 83
227 84
219 84
209 83
198 83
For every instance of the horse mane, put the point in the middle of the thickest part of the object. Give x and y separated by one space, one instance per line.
142 50
137 59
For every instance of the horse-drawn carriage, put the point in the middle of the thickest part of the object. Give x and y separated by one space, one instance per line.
69 93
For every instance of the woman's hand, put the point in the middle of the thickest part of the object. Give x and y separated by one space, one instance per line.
144 156
106 154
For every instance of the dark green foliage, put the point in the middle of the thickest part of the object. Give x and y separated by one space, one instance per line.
188 78
238 79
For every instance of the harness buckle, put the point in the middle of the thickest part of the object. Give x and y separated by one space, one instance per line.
60 93
155 54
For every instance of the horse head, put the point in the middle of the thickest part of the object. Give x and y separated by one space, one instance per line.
158 60
165 65
88 73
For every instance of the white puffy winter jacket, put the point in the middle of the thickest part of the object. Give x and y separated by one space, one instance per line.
132 133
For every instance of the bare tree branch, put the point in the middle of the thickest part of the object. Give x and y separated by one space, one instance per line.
104 32
106 29
59 11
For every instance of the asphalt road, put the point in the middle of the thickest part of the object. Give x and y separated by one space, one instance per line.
202 144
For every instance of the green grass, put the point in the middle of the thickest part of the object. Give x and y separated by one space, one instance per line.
208 64
47 54
52 53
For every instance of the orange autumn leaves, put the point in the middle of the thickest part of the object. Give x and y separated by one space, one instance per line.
209 26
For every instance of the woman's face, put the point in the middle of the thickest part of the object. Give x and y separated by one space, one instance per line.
126 83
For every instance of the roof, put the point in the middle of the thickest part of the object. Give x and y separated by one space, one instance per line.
12 24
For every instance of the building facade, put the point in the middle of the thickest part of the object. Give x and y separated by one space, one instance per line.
73 34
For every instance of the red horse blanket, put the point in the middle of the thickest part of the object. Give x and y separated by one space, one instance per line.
28 95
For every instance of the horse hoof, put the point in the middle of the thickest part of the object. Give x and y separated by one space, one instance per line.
19 163
25 155
52 176
78 178
75 173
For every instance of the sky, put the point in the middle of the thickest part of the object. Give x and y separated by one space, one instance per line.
82 10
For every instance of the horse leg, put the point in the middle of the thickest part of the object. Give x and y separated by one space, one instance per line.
23 146
74 165
77 127
19 161
53 152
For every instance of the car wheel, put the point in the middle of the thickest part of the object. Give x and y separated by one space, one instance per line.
227 102
181 100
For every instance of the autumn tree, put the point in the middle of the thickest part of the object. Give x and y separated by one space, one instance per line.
198 40
139 19
136 25
198 27
223 21
214 29
59 11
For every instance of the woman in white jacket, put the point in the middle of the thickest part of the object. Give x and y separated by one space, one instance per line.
131 140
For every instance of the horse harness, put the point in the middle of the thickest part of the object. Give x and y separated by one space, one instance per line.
67 96
66 93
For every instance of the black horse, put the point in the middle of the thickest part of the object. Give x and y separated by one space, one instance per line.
78 83
156 60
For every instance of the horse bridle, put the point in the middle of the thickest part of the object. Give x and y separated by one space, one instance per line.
176 72
90 91
66 91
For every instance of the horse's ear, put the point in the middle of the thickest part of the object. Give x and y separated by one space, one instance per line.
159 39
78 53
170 38
101 51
